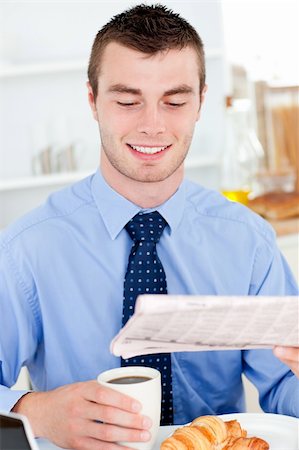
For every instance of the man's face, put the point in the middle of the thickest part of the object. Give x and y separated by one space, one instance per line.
146 108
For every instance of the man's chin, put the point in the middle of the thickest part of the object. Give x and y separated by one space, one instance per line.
146 177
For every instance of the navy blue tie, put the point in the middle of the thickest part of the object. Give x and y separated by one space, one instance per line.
145 275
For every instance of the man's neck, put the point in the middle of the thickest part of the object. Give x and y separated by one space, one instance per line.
144 194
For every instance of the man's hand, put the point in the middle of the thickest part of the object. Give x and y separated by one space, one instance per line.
71 416
289 356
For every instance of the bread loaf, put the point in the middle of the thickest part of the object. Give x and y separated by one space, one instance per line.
276 205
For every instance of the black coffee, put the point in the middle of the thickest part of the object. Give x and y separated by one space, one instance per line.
129 380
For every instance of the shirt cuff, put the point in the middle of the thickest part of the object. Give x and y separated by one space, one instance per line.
8 398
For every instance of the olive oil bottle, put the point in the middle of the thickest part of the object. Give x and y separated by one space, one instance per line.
242 154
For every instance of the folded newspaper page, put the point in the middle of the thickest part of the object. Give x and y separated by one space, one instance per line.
168 323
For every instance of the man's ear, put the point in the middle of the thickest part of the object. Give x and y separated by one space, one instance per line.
202 99
91 101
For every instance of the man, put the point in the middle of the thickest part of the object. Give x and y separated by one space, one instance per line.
63 265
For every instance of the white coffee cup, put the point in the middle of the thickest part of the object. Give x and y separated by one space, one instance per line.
147 392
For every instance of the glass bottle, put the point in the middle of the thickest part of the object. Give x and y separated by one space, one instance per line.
243 155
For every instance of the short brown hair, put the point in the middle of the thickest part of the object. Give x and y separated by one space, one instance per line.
148 29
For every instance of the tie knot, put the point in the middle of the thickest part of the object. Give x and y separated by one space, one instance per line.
146 227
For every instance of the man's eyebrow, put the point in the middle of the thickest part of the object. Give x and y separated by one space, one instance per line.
182 89
123 89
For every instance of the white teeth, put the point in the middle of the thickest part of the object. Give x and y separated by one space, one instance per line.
148 150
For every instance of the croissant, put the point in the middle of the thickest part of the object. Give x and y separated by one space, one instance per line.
252 443
212 433
213 428
234 429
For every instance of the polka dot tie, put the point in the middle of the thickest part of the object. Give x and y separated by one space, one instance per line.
145 275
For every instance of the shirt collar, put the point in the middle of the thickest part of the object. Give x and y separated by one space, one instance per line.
116 210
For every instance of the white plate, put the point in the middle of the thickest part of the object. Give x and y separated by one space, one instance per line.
281 432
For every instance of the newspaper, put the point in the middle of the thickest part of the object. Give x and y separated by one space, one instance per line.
168 323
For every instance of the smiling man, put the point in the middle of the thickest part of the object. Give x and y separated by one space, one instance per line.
70 270
146 116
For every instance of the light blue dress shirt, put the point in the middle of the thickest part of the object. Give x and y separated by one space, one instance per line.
62 268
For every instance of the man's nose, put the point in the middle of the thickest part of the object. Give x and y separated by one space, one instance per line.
151 121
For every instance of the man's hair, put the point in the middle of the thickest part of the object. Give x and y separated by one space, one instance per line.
149 29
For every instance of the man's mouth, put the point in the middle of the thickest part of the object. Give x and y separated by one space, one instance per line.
148 150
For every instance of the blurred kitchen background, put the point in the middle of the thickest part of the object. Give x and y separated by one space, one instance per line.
245 145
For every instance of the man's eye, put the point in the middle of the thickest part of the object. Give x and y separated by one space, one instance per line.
176 105
127 103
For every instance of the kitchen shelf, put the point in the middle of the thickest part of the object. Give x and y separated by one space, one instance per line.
43 68
32 182
14 184
17 70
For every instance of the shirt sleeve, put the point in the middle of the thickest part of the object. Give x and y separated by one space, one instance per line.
277 385
18 324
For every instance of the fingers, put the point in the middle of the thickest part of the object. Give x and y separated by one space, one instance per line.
289 356
106 396
117 411
112 415
112 433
